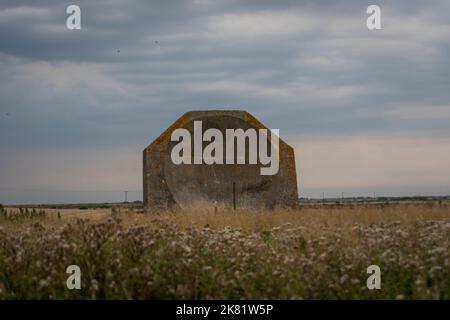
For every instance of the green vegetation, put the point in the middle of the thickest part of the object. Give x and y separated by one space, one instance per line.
320 255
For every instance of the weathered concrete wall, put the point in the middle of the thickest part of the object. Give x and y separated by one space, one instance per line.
185 185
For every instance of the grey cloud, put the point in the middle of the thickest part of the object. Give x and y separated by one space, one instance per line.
306 67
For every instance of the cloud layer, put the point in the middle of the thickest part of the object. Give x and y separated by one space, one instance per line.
310 68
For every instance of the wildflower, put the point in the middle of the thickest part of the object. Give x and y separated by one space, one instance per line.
343 279
43 283
94 285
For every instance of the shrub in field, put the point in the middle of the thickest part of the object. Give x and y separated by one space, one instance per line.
2 211
21 214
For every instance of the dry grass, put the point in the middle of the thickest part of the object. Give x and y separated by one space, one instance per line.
315 219
248 220
311 252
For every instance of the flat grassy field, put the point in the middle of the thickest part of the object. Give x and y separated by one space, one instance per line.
313 252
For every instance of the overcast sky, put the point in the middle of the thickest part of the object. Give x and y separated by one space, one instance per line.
366 111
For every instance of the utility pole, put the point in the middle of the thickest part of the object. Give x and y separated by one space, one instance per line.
342 196
323 197
126 195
